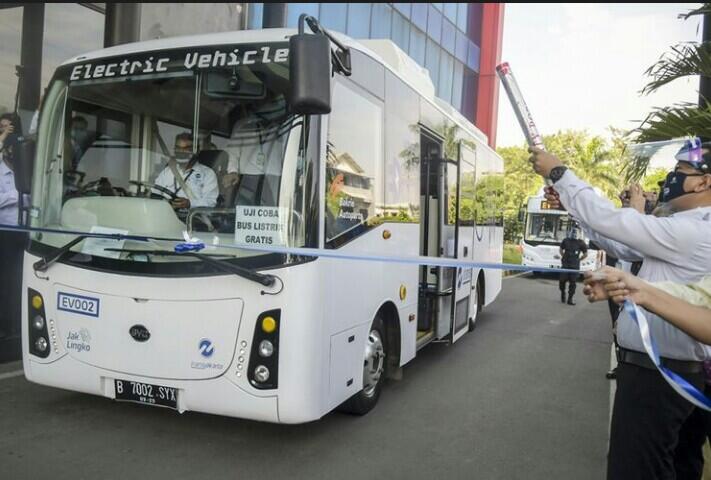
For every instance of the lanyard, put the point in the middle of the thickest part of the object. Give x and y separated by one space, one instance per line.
177 188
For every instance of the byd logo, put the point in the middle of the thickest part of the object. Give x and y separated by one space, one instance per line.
206 348
139 333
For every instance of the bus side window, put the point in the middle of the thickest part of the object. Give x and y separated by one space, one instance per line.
402 152
354 158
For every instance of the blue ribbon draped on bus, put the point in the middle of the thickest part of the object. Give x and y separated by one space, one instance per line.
188 244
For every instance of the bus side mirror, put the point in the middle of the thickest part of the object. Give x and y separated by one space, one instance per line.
23 162
310 74
521 215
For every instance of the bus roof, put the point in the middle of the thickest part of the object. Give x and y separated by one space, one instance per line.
384 52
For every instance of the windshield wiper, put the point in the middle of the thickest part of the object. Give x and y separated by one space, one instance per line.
46 262
261 278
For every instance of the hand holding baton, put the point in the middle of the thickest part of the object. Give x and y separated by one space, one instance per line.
523 114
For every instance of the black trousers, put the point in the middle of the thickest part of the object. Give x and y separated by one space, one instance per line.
11 252
647 440
571 278
688 456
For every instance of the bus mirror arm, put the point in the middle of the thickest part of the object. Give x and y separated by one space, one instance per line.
341 57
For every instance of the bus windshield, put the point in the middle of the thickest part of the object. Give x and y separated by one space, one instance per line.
197 146
547 228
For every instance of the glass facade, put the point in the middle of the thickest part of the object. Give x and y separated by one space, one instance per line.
11 34
445 38
442 37
159 20
69 29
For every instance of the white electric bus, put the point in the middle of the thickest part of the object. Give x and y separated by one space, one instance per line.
391 170
544 230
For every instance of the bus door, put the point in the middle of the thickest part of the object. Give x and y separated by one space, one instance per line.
440 238
465 305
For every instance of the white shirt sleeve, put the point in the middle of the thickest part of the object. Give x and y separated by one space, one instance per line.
233 163
668 238
8 197
165 180
611 247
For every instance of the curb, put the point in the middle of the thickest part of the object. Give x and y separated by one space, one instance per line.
514 273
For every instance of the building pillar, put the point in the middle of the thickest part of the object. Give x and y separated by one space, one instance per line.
274 15
31 56
122 23
492 29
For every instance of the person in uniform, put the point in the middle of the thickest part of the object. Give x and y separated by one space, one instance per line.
653 432
572 251
198 187
11 243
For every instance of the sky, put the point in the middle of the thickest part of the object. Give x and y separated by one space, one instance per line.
581 66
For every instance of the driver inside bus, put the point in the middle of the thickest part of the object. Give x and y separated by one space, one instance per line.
194 184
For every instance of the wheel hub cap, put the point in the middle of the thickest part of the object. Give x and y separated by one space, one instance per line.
374 364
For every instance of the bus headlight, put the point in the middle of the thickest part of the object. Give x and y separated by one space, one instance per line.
41 344
261 374
37 334
38 322
263 368
266 349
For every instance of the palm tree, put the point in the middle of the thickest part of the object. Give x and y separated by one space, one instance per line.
682 119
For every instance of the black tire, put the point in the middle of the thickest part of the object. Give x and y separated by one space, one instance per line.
364 401
479 306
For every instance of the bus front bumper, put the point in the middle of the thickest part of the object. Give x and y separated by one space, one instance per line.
219 396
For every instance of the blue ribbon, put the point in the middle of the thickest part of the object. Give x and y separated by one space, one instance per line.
306 252
678 383
189 247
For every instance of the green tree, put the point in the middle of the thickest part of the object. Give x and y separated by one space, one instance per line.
651 180
593 159
681 119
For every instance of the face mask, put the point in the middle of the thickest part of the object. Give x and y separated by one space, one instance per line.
78 135
182 157
674 185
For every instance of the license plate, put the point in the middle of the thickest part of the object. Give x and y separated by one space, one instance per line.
129 391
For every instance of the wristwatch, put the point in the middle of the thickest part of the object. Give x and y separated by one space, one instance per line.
557 173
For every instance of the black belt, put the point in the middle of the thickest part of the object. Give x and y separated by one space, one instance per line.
642 360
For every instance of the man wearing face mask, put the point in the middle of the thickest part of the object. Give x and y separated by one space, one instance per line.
649 435
194 184
572 251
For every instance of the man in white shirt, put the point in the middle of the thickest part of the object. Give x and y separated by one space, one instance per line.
11 243
256 150
8 194
197 185
648 415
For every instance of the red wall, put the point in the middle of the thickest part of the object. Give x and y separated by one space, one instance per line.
492 29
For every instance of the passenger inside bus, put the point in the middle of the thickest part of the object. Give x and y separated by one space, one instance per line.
79 138
256 152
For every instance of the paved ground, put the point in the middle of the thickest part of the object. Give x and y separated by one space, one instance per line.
525 396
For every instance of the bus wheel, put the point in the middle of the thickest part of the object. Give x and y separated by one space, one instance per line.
373 372
473 318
